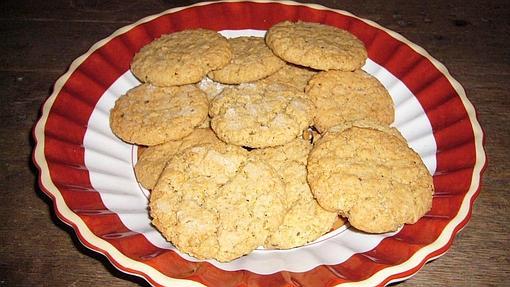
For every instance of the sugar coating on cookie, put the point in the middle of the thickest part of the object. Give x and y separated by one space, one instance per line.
318 46
349 96
292 75
181 58
153 160
211 88
371 177
258 115
252 60
150 115
216 201
305 219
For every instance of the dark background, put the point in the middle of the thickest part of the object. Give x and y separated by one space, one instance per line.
39 39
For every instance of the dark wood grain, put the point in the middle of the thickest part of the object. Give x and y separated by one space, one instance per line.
41 38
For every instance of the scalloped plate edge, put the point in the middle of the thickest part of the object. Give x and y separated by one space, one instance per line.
388 275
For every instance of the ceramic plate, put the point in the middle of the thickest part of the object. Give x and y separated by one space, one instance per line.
88 172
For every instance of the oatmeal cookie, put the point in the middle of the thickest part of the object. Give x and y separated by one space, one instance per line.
349 96
371 177
150 115
215 201
317 46
181 58
258 115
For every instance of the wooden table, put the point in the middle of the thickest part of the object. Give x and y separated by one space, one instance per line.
39 39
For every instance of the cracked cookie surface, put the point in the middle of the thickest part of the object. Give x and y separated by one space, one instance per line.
211 88
349 96
305 220
370 176
317 46
252 60
181 58
215 201
153 159
258 115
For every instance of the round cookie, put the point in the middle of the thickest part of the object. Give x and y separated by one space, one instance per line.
318 46
349 96
215 201
153 160
292 75
305 219
257 115
150 115
371 177
181 58
252 60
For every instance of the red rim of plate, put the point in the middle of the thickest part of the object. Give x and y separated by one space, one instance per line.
59 154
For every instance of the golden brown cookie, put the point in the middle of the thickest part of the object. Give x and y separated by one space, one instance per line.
252 60
371 177
258 115
216 201
292 75
349 96
153 160
181 58
318 46
305 219
150 115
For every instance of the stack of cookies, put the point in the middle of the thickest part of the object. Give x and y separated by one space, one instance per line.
267 142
